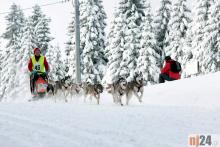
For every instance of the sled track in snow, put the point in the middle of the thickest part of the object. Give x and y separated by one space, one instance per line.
39 129
28 125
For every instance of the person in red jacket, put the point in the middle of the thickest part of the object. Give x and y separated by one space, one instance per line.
166 73
38 66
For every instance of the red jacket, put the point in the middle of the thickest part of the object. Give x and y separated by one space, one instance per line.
166 70
37 58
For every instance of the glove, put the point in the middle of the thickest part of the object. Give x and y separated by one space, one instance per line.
34 72
45 73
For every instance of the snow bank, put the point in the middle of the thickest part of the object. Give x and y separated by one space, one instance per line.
203 91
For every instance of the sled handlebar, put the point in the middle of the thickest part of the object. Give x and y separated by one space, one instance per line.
40 72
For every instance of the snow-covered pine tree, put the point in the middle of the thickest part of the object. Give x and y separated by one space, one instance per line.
102 16
9 71
161 21
1 67
200 21
149 57
124 41
187 52
40 24
14 32
70 51
116 42
59 65
92 21
50 56
107 49
211 60
132 42
27 44
57 68
43 34
1 58
15 24
178 26
111 34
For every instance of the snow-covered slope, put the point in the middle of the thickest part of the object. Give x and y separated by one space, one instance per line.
170 112
201 91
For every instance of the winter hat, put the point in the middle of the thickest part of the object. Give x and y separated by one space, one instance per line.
35 49
167 58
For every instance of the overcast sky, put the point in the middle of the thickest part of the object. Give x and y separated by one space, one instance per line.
59 13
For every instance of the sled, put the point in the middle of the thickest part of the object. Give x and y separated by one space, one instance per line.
41 87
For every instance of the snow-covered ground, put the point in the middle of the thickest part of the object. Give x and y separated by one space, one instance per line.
169 113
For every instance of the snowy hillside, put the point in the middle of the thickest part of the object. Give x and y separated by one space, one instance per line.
201 91
170 113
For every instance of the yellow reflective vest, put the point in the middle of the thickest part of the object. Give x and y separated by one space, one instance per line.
38 66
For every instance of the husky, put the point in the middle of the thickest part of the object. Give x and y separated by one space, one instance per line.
63 86
92 90
117 89
50 89
75 88
122 87
135 87
66 87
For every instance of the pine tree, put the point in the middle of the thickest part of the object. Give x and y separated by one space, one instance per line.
124 41
178 26
1 57
40 24
14 32
149 57
9 70
107 48
187 51
27 44
115 47
211 60
57 68
202 13
131 46
1 67
92 21
102 35
110 35
70 51
161 24
15 24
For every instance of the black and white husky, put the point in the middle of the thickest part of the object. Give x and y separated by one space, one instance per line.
117 89
122 87
92 90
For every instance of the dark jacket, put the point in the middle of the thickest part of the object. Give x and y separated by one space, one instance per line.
167 70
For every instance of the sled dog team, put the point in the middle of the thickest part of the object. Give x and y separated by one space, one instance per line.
39 68
118 89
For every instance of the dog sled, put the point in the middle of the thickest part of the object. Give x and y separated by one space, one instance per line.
40 87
